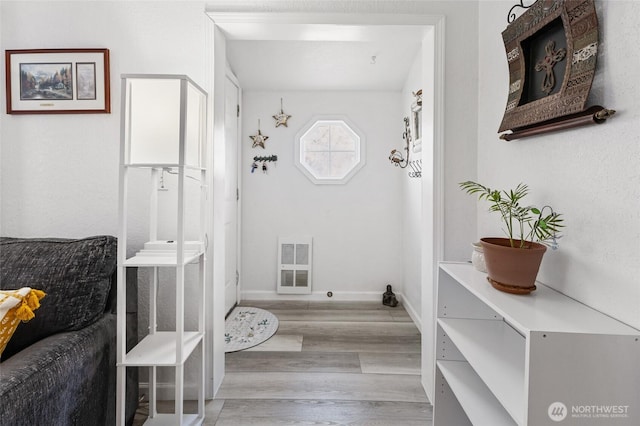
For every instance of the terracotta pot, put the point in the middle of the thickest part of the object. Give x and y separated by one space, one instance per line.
513 270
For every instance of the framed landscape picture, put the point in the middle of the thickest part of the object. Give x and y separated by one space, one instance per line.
57 81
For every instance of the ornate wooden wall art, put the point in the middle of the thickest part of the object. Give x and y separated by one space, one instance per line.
551 51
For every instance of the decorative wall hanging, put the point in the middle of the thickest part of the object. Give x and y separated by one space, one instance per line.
551 51
281 118
259 139
512 13
57 81
396 157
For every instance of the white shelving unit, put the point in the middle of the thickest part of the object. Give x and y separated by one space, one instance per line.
162 130
536 359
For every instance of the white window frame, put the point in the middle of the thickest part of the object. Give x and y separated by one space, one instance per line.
329 180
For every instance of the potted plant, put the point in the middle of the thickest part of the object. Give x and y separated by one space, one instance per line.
512 263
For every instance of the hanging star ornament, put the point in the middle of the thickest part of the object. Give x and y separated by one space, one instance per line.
281 118
259 139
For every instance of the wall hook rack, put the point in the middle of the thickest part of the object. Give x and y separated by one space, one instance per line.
264 160
416 169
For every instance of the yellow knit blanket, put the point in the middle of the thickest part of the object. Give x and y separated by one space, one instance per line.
16 306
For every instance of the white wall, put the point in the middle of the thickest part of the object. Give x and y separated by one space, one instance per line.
59 173
461 90
357 227
411 205
589 174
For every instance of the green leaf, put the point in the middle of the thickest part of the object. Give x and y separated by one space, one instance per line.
521 222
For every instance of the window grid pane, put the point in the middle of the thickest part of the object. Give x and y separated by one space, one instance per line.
330 149
342 163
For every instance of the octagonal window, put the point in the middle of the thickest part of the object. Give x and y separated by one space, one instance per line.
329 150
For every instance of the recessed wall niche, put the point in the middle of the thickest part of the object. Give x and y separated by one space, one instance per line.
544 56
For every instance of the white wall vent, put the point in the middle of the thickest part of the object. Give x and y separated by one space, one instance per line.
294 265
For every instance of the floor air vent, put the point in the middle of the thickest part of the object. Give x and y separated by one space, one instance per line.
294 265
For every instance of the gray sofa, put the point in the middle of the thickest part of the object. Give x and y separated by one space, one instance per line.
60 367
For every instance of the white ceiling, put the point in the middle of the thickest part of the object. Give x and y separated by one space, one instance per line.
320 65
321 56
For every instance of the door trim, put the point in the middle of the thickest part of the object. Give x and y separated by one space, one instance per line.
234 80
432 183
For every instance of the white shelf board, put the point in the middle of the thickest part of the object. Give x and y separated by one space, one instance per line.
497 354
162 166
171 245
159 349
545 309
162 259
481 407
170 420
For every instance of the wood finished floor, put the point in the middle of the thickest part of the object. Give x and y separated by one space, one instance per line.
330 363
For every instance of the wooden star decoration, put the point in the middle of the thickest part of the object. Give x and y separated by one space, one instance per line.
259 139
281 118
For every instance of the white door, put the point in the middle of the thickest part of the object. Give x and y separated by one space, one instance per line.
231 122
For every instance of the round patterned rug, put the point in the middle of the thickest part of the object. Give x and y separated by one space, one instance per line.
247 327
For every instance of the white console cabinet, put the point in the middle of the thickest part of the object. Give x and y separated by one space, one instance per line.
537 359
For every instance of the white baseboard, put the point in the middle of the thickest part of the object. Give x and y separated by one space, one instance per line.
412 313
364 296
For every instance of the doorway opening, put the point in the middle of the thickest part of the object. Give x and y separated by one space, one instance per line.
252 31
